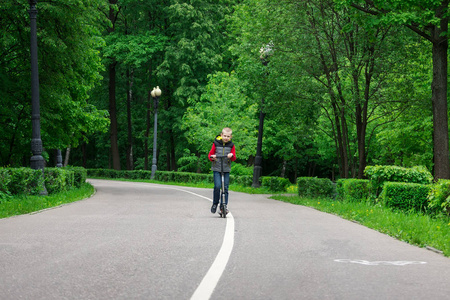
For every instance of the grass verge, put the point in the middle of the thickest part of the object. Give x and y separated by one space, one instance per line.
414 228
19 205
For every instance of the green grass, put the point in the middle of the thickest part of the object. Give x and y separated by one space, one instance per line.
18 205
414 228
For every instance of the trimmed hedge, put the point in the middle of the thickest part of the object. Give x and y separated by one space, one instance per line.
27 181
275 184
315 187
378 175
183 177
353 190
79 176
244 180
406 196
58 179
167 176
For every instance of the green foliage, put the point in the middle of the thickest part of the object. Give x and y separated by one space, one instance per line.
378 175
240 170
275 184
168 176
133 50
224 104
25 181
190 162
353 190
243 180
23 204
439 197
315 187
80 175
58 179
182 177
405 196
68 38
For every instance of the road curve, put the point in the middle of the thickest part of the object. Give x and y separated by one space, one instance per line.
148 241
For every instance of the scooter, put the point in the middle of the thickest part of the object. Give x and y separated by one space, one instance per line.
223 211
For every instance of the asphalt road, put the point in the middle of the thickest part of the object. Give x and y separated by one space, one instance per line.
146 241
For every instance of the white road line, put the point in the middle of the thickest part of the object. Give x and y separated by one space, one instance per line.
209 282
380 263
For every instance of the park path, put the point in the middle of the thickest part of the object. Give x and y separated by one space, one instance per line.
147 241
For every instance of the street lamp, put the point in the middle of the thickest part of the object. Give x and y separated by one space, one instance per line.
257 170
36 161
58 158
155 94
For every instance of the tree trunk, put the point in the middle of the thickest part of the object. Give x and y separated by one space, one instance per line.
113 117
84 153
66 157
439 102
283 169
130 163
112 98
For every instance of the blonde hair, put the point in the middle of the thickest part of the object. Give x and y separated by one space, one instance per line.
227 130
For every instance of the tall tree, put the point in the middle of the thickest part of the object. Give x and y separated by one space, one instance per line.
69 68
197 46
429 19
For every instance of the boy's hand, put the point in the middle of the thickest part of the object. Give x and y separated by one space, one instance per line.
213 157
230 155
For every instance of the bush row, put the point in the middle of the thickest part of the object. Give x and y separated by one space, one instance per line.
27 181
396 187
275 184
315 187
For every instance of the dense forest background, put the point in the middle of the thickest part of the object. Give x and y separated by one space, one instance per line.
340 84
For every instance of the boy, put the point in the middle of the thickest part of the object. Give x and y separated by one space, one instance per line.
222 146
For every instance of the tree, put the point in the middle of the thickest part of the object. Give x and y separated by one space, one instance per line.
224 104
69 69
429 19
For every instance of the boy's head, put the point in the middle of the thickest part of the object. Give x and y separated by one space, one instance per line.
226 134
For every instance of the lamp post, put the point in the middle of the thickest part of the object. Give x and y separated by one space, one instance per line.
155 94
36 161
257 169
58 158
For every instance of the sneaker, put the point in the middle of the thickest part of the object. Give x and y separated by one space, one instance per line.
214 208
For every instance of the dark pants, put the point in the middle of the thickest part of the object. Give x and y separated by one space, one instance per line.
218 186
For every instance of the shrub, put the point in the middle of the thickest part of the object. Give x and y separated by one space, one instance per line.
244 180
25 181
79 176
58 179
167 176
5 179
405 196
353 190
241 170
378 175
439 197
275 184
315 187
